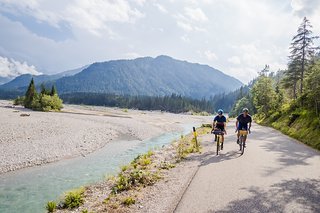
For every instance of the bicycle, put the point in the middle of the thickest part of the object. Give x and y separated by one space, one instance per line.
242 140
218 134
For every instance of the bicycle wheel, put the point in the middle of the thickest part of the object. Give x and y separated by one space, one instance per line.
242 145
218 145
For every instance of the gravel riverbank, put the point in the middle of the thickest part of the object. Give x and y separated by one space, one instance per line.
42 137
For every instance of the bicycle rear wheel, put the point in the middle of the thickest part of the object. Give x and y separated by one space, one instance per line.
242 145
218 145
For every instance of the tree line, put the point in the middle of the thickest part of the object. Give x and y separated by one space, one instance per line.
174 103
289 100
298 85
170 103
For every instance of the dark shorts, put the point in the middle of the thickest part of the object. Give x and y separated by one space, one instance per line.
221 127
242 126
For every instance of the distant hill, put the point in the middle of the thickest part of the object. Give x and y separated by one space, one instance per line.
147 76
21 82
4 80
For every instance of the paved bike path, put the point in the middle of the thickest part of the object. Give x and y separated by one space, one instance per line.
275 174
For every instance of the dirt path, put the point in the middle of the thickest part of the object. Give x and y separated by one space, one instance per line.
275 174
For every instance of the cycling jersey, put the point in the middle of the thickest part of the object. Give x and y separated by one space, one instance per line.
243 121
220 122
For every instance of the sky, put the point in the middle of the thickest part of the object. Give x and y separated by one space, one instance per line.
237 37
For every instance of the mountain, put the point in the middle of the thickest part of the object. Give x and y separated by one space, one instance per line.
21 82
70 72
158 76
147 76
4 80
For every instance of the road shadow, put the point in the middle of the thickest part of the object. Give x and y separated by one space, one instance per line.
213 158
210 156
287 196
289 152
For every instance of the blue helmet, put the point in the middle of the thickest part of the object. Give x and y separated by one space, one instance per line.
220 111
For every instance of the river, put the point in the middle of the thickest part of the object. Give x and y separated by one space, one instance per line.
28 190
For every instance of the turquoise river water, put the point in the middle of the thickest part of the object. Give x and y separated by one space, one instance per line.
28 190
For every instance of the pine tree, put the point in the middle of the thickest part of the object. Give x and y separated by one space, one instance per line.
291 78
263 95
265 71
302 51
43 89
53 91
30 95
313 86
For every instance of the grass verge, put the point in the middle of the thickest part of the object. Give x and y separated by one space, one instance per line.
300 124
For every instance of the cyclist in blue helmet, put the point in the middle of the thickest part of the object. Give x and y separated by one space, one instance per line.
219 122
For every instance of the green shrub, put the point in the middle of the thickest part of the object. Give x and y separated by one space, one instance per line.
128 201
275 116
19 101
51 206
145 161
142 160
149 153
166 165
207 125
292 118
74 198
132 178
48 102
35 103
140 177
124 168
135 160
121 184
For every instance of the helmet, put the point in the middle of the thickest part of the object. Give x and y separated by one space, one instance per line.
245 110
220 111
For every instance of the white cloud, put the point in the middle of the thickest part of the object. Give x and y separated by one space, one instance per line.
234 60
185 38
245 74
211 56
252 58
196 14
305 7
188 24
132 55
92 16
161 8
297 4
139 2
185 26
11 68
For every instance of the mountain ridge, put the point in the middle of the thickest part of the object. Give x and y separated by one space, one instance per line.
159 76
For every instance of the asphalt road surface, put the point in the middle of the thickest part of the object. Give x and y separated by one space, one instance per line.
275 174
